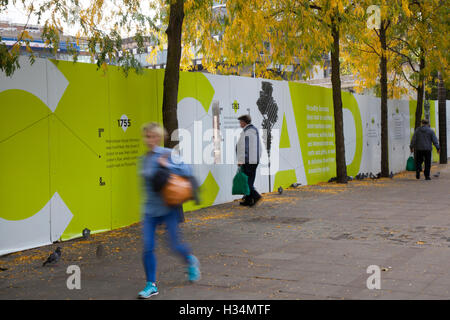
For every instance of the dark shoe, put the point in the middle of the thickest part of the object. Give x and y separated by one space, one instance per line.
427 178
255 201
418 175
247 202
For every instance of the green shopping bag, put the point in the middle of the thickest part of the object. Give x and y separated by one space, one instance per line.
240 183
410 164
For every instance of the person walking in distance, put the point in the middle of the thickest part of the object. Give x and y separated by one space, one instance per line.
422 143
248 156
157 212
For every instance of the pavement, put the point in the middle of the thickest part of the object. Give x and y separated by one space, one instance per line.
311 242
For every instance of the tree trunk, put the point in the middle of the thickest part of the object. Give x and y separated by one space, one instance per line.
172 71
341 167
420 94
442 120
384 107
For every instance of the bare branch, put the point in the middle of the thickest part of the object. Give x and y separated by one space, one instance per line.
408 44
407 80
366 51
404 56
373 49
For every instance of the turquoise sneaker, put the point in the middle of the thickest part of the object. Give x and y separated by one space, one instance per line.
149 290
193 269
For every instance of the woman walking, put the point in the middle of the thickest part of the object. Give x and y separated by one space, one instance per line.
157 212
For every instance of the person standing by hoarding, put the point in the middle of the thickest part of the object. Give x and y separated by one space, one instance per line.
422 142
157 212
248 155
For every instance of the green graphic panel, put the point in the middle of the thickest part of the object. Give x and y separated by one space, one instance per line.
79 130
192 85
19 109
284 138
314 116
158 76
24 154
349 102
196 85
76 174
133 99
208 192
313 110
284 179
84 105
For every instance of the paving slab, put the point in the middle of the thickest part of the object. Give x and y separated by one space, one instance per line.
311 242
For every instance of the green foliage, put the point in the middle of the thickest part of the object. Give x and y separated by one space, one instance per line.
8 62
417 30
269 35
100 26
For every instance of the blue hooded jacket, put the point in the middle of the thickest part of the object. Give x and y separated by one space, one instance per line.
154 205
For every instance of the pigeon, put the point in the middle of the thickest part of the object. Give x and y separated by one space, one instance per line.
437 174
360 176
295 185
280 190
349 178
54 257
391 175
378 175
86 233
332 179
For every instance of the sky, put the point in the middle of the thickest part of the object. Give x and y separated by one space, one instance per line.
17 14
14 14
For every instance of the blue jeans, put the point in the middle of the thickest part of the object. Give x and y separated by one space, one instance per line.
149 228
